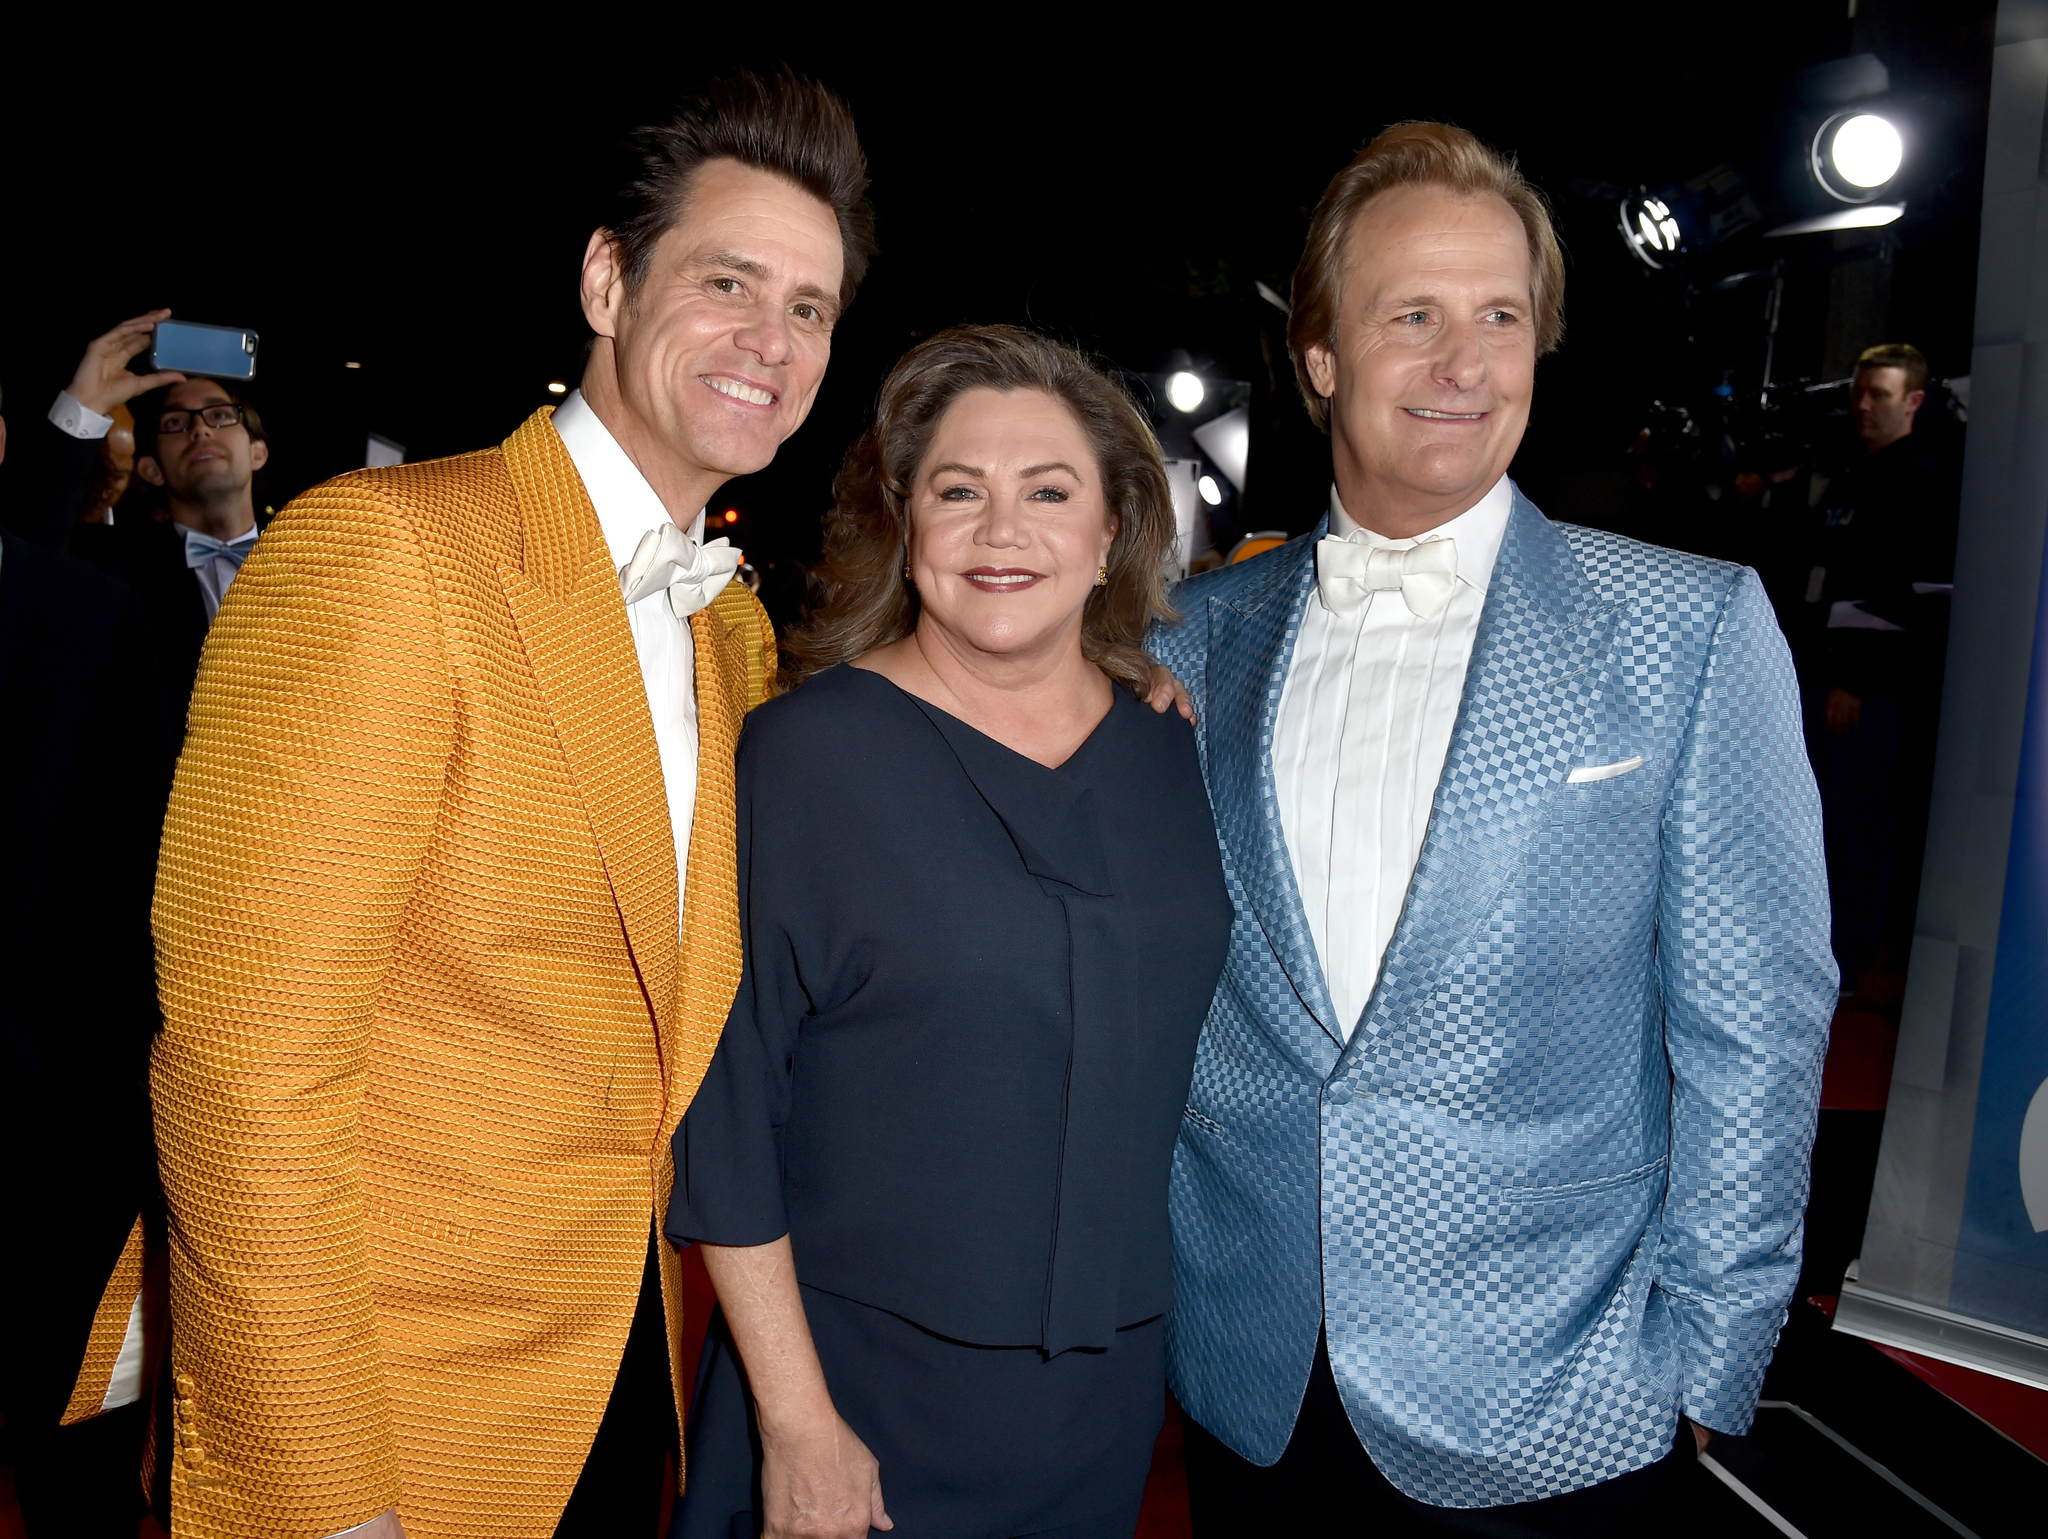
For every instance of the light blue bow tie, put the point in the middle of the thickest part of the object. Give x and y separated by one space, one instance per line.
202 548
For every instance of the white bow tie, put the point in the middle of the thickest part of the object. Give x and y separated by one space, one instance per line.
669 560
1348 571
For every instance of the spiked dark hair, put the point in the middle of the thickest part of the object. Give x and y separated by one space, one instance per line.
782 123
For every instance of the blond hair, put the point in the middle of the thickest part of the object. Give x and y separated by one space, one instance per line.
1897 355
1411 155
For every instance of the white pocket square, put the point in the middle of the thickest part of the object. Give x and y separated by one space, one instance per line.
1589 772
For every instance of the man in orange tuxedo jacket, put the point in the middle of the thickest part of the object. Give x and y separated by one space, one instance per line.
434 996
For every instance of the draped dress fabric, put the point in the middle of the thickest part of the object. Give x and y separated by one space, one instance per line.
953 1076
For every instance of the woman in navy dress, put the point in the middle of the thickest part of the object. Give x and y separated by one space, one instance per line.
984 916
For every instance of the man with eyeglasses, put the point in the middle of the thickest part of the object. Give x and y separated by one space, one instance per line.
200 445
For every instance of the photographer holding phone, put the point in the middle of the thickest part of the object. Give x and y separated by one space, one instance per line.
62 455
200 444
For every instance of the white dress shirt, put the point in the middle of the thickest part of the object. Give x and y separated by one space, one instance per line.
626 509
80 421
1364 723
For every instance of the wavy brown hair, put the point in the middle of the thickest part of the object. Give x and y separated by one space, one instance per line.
862 599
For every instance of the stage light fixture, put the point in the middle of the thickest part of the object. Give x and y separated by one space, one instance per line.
1226 443
1856 155
1650 229
1211 492
1864 216
1185 391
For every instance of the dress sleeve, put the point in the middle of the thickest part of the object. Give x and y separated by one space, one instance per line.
728 1148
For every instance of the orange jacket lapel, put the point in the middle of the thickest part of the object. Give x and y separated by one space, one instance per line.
572 623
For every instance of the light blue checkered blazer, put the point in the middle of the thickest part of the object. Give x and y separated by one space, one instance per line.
1550 1195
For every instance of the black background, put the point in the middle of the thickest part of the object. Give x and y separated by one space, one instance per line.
417 203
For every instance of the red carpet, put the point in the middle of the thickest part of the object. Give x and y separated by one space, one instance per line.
1858 1072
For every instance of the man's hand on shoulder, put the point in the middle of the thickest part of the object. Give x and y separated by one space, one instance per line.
1167 690
1844 712
102 381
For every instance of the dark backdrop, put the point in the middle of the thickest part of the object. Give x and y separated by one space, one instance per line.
417 205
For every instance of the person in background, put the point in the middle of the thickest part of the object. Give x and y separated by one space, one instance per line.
66 455
446 913
983 917
197 445
116 470
84 778
1492 1176
1876 603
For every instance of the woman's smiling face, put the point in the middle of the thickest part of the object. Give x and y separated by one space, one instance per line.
1009 523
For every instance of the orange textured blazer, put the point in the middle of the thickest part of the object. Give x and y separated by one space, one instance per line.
428 1025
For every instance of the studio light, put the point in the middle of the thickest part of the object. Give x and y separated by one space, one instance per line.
1856 155
1867 216
1226 443
1185 391
556 387
1650 229
1211 492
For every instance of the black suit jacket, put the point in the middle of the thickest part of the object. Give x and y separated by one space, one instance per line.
47 472
84 782
148 555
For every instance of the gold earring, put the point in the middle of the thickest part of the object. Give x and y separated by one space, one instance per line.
1102 577
906 569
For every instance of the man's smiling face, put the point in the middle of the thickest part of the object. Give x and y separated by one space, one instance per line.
1434 361
721 352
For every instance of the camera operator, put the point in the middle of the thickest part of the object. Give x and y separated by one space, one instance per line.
1875 597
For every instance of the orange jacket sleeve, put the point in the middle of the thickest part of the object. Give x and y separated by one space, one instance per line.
319 741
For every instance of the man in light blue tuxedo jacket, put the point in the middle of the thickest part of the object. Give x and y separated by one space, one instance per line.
1485 1236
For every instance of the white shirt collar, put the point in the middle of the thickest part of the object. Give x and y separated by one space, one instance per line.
1478 531
627 506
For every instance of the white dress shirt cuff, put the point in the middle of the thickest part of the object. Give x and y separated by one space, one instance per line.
79 421
384 1525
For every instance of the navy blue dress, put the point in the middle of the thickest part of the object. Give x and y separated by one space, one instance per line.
953 1075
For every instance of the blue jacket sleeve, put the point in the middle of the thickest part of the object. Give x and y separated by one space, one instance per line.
1749 989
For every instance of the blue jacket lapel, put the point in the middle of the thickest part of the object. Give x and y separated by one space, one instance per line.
1536 663
1251 639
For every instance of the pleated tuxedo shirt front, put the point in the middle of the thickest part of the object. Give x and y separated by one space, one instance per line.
1359 741
627 507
